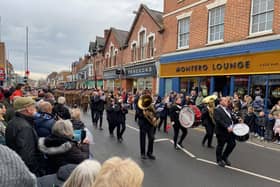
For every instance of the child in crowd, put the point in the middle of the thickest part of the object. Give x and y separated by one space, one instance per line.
250 119
79 127
276 128
261 123
269 129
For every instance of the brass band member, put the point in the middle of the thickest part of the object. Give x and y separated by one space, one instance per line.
146 125
174 116
208 120
224 122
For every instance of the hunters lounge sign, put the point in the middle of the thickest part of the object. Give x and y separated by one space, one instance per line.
259 63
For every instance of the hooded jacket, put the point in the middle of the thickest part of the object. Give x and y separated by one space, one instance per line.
61 151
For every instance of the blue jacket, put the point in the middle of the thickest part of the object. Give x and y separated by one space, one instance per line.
44 123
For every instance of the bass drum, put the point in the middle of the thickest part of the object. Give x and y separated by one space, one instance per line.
197 115
186 117
241 132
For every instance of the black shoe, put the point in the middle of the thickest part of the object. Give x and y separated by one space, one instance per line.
150 156
210 146
100 128
111 134
181 145
120 140
176 147
227 162
221 163
203 144
143 157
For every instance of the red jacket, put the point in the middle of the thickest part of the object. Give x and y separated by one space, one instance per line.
16 93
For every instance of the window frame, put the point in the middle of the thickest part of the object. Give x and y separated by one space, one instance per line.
151 46
260 13
142 44
210 12
178 33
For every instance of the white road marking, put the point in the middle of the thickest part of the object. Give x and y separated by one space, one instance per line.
184 150
263 146
242 171
161 140
133 128
214 163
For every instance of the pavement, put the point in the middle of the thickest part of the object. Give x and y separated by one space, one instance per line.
252 140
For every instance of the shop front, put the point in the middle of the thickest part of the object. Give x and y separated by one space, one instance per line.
141 76
252 69
112 80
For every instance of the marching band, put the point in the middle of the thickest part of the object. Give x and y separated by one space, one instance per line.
150 112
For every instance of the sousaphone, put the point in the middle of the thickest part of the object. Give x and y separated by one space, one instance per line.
145 103
209 99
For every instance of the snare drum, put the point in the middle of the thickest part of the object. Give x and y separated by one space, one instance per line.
241 132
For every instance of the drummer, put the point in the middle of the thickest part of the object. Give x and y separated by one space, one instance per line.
224 127
174 116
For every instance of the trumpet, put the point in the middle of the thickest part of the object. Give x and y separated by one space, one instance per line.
145 104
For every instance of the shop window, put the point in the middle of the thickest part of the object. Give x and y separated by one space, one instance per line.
216 24
241 85
261 16
188 84
168 86
183 32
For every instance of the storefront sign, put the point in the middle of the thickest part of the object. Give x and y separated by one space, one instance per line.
110 74
259 63
142 70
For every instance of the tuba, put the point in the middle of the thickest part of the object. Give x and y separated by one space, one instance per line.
145 103
210 101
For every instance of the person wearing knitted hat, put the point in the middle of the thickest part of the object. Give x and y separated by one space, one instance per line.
22 137
13 171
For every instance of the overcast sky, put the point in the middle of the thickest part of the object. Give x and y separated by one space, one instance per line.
60 30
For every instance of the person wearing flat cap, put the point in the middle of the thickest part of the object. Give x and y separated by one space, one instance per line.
22 137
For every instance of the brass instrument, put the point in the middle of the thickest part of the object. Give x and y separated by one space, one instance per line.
145 104
210 101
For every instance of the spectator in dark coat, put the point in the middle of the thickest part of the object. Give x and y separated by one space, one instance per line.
121 126
58 178
97 108
22 137
9 106
250 120
44 119
60 148
60 111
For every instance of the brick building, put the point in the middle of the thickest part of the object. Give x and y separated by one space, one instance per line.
143 49
223 46
96 50
114 58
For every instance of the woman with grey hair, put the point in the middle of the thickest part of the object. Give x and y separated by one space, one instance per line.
60 148
60 111
84 174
